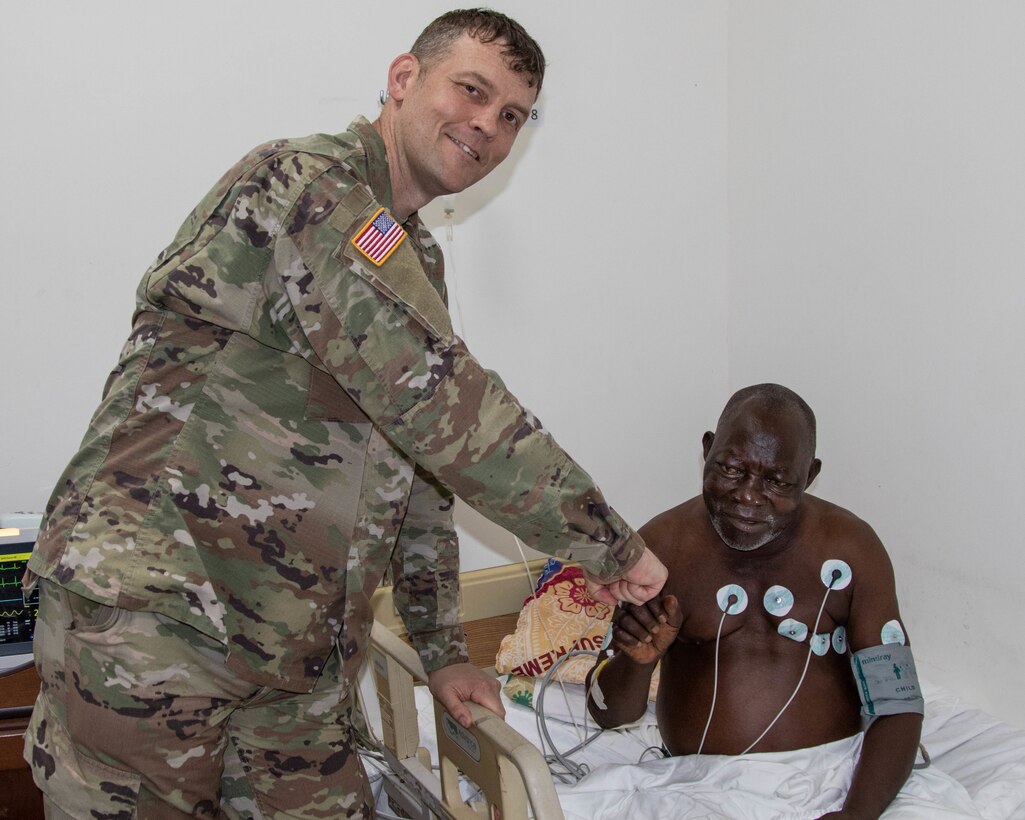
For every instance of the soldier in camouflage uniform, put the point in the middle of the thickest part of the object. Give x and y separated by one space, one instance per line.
290 414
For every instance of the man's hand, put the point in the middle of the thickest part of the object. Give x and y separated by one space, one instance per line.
641 583
645 632
451 685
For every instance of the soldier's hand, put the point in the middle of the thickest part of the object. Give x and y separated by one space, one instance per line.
452 685
640 583
644 633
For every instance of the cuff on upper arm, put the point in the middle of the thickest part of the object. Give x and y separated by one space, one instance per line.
887 681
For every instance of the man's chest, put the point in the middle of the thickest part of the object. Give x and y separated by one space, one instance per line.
800 601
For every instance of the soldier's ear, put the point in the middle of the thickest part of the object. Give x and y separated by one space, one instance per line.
402 73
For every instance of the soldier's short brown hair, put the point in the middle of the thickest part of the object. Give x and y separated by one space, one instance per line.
521 51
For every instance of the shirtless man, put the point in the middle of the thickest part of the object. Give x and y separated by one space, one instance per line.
766 582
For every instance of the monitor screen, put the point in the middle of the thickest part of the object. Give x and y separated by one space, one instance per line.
17 613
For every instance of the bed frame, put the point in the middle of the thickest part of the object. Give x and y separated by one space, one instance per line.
510 771
986 757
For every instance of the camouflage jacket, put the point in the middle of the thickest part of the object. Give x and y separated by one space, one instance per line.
287 417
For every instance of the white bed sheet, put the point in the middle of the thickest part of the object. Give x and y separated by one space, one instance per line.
978 768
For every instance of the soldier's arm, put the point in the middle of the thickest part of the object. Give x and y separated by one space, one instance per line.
891 741
425 571
385 335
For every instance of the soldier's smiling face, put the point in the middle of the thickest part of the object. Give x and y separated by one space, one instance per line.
457 117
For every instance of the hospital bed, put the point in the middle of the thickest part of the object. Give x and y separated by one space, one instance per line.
431 767
509 771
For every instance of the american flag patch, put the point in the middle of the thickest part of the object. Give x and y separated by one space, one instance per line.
379 237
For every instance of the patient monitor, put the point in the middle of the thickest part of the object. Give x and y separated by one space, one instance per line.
17 612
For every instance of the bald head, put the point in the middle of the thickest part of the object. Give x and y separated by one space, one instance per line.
774 398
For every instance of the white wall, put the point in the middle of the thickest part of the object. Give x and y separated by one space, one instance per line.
119 116
833 195
877 230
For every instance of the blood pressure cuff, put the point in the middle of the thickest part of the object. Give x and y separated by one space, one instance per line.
887 681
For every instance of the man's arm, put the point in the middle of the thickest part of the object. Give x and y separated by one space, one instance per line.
384 334
425 574
617 688
887 756
891 742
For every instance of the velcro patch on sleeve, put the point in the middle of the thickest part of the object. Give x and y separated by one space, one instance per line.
355 202
373 247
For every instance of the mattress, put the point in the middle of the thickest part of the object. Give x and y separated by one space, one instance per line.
977 767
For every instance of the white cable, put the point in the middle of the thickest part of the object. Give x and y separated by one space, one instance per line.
361 704
526 566
573 651
807 660
450 266
573 770
656 749
715 680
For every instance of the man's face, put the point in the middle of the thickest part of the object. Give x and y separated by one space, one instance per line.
457 118
757 466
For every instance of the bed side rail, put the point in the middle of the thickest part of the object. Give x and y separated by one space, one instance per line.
508 768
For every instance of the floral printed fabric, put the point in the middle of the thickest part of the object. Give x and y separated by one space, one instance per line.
559 618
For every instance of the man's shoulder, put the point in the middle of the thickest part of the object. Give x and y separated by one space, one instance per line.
831 514
681 513
309 155
281 169
838 529
331 149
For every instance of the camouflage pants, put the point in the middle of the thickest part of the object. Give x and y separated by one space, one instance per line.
138 717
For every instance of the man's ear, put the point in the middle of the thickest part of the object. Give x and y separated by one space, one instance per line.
813 471
402 72
706 443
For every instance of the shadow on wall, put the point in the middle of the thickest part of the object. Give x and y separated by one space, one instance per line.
477 531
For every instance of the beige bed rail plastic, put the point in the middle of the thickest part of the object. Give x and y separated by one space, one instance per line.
507 767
